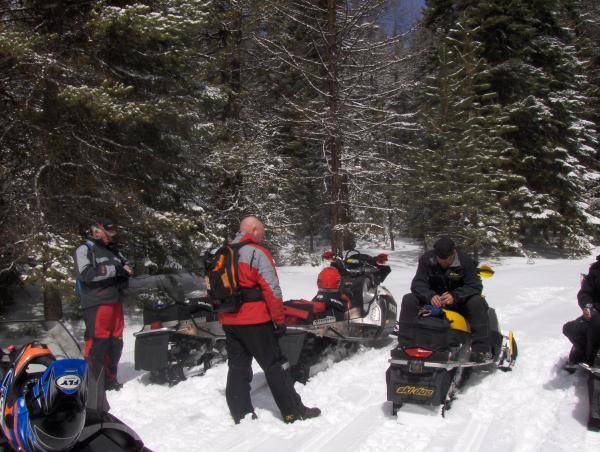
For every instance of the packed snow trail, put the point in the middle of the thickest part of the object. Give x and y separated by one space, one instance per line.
536 407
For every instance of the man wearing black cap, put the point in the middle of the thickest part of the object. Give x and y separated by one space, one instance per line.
447 277
102 274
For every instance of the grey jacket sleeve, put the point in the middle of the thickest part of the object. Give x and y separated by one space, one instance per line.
420 283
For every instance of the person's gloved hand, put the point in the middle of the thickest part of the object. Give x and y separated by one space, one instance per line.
279 329
128 269
120 272
429 311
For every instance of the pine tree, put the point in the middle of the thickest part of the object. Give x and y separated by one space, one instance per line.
96 124
459 182
533 69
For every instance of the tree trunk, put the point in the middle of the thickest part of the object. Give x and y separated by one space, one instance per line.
52 303
236 64
391 230
340 235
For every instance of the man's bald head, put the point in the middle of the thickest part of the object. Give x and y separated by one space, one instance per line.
252 225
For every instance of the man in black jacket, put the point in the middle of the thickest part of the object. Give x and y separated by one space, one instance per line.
447 278
584 332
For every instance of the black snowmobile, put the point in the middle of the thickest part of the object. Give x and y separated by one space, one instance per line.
327 328
594 392
433 357
48 401
181 336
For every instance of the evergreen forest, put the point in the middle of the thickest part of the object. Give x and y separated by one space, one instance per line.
334 121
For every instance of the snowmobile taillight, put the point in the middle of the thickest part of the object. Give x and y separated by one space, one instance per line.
328 255
156 325
418 352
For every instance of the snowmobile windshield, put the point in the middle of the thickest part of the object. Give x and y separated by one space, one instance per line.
61 429
54 334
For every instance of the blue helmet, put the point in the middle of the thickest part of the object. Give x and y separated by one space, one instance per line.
43 401
56 406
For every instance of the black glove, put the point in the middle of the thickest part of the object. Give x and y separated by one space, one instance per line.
121 273
279 330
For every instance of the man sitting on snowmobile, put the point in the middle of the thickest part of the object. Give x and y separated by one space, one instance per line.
447 278
584 332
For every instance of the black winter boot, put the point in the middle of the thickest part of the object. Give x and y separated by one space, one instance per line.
237 420
306 413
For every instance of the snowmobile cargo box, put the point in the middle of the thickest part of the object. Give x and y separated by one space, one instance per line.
417 383
152 351
428 387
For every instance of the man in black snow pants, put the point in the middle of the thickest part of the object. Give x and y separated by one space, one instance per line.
253 331
584 332
447 277
102 275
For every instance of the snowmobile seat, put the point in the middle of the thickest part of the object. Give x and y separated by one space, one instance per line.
302 310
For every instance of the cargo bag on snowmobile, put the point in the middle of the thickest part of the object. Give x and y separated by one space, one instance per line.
431 332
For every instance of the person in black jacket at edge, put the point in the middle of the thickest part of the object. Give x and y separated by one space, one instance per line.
584 332
447 278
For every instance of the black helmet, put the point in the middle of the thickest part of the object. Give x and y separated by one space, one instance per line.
57 406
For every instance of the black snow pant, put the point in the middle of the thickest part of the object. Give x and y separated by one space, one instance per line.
244 342
474 309
584 335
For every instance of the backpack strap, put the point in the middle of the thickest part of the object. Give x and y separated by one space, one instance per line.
91 246
248 294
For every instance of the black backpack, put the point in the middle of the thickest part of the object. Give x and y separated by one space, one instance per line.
224 290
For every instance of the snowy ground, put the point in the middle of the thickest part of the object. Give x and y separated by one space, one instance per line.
537 407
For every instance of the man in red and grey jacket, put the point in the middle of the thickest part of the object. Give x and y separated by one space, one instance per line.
102 274
253 331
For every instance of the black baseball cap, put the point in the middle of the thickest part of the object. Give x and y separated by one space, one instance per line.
444 247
